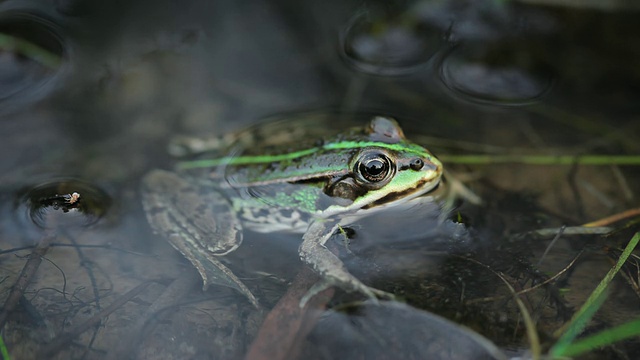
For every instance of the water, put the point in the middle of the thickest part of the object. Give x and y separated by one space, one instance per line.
91 96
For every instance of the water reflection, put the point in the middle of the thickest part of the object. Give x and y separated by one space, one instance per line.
81 203
389 330
384 44
252 60
497 74
32 54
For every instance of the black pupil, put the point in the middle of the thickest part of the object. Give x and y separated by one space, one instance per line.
374 169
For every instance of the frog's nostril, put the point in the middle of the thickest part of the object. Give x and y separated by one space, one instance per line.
416 164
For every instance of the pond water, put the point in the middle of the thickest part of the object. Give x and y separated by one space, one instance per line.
532 106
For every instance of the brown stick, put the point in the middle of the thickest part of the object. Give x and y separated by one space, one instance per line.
287 324
614 218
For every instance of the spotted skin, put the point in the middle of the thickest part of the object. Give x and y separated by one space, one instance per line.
311 187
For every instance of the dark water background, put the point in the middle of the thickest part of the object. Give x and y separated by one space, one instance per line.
93 108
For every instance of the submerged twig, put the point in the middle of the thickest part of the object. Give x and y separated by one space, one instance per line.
27 273
551 244
598 227
169 297
534 287
623 184
85 263
572 230
56 344
529 324
633 281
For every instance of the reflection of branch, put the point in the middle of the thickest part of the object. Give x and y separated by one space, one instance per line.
87 264
27 273
29 50
169 299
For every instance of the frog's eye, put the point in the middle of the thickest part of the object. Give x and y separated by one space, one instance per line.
374 169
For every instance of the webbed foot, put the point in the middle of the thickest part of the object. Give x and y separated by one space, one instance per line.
213 271
202 226
371 293
327 265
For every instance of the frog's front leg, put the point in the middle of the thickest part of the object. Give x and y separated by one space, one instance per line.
199 225
331 269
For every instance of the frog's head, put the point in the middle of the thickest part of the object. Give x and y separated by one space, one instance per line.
385 170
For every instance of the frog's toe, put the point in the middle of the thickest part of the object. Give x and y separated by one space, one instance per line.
214 272
371 293
317 288
383 294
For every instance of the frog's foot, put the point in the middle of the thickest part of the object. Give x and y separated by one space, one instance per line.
325 283
200 226
328 266
213 271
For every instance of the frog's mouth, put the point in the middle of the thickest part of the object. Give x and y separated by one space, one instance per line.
395 198
396 201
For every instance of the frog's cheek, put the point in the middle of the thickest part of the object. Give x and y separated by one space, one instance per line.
344 190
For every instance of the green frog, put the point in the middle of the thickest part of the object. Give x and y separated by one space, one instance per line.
292 181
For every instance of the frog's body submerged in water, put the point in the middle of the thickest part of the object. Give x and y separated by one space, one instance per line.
312 188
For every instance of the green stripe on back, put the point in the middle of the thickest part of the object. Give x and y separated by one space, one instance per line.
259 159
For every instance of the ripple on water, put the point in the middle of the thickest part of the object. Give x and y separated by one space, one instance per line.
32 57
63 203
383 44
505 75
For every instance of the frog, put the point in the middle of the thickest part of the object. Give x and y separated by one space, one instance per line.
295 181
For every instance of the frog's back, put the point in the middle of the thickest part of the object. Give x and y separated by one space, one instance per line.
280 152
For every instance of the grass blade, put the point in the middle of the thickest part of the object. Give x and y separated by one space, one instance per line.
579 321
